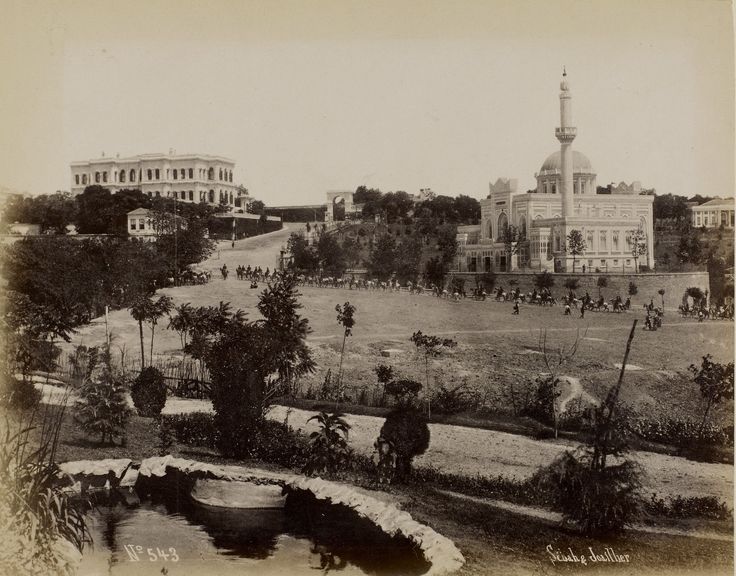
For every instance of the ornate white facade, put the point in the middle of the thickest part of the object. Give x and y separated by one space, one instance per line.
187 177
566 199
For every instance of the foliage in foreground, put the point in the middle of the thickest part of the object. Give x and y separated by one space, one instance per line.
43 533
148 392
328 446
102 408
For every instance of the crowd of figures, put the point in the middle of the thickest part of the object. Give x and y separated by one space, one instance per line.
539 297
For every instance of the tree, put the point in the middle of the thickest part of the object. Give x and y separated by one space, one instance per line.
430 346
715 381
304 256
254 206
158 310
633 289
102 407
544 280
661 292
572 284
408 258
599 496
382 260
146 309
602 282
148 392
181 322
510 237
384 375
638 243
547 384
351 252
279 304
575 245
345 317
407 431
331 257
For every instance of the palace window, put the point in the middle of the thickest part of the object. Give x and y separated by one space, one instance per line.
132 175
76 179
175 174
97 177
615 240
132 224
211 175
158 174
182 173
191 173
104 176
603 241
191 195
589 241
149 173
122 176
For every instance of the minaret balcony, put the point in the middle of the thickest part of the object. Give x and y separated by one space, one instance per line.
566 134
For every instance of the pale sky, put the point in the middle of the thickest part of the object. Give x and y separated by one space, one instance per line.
310 96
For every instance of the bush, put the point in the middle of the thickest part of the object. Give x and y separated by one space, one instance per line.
598 501
19 394
452 400
678 506
407 429
328 446
102 407
680 433
193 429
633 289
541 405
544 280
404 391
149 392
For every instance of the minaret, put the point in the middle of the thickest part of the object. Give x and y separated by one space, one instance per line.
566 134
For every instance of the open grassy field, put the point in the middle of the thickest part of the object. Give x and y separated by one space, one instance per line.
497 353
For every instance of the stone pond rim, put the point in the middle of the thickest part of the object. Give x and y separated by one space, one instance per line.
439 551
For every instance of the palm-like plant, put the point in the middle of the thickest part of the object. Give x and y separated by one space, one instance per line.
329 445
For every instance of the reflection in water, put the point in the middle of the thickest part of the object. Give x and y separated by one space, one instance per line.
169 534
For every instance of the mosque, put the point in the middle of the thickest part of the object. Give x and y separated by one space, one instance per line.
566 199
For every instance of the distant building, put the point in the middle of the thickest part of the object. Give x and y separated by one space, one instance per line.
566 199
713 214
186 177
144 224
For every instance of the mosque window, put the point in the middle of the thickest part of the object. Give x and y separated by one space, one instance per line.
603 241
615 240
122 176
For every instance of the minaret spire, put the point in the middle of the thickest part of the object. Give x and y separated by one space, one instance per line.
566 134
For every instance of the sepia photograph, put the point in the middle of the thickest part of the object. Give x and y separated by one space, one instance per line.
386 288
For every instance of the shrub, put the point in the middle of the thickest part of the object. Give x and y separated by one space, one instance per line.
452 400
193 429
404 391
406 428
102 407
149 392
541 405
544 280
279 443
600 501
633 289
678 506
19 394
328 446
680 433
572 284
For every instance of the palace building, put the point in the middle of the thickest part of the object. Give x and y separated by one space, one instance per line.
186 177
566 198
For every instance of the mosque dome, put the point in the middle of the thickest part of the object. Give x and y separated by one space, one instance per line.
580 163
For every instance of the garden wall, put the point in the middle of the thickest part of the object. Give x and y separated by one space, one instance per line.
674 284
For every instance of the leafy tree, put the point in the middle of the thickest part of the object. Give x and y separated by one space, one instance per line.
328 446
715 381
384 375
345 317
447 243
304 256
146 309
279 304
575 245
254 206
661 292
633 289
669 206
406 429
351 251
408 258
382 260
102 407
638 243
572 284
488 280
602 282
149 392
599 496
435 271
430 346
544 280
331 257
